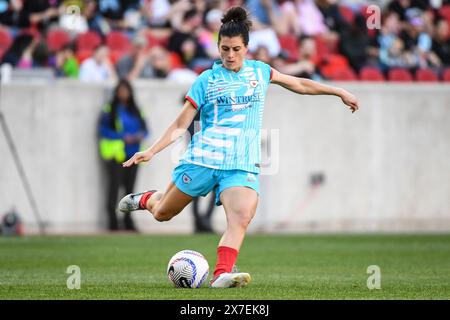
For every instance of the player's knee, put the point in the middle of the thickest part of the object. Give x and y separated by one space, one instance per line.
161 215
242 218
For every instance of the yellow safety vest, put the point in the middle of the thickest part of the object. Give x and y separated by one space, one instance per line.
113 148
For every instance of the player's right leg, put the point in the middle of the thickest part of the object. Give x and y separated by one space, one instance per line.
163 206
188 181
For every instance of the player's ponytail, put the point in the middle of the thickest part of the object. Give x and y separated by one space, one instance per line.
235 22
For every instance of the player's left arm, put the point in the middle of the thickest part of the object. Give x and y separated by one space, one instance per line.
311 87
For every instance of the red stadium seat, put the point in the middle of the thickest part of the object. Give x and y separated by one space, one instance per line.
154 40
326 46
444 12
399 75
344 74
82 55
57 39
347 13
446 75
175 61
5 41
289 44
118 42
116 55
371 74
426 75
331 63
88 41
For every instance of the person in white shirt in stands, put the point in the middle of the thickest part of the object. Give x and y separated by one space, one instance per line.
98 67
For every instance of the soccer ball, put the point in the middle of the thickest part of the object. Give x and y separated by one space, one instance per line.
188 269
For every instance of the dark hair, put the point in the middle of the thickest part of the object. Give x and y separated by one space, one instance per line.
131 104
189 14
235 22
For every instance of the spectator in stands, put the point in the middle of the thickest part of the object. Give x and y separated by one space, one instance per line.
98 67
40 14
35 55
288 23
416 41
94 19
310 19
354 43
208 35
390 46
10 11
66 62
157 13
41 55
441 42
113 11
132 15
136 64
332 15
162 65
18 48
122 130
265 13
73 24
25 60
185 43
266 26
400 7
262 54
307 64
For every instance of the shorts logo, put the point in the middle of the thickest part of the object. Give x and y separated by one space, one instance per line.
251 177
254 83
186 179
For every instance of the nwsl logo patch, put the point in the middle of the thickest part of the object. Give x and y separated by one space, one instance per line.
186 179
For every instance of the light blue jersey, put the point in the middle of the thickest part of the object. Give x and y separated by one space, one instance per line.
231 106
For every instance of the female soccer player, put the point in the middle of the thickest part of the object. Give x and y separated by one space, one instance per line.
225 154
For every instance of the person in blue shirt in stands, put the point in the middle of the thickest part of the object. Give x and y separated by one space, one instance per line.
225 155
122 129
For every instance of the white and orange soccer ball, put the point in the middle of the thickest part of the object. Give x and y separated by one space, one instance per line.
188 269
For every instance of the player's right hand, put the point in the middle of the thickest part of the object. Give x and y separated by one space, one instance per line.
138 157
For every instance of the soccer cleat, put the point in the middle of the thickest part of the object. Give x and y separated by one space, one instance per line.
131 202
230 280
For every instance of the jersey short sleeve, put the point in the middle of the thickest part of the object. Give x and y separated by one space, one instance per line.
197 93
266 71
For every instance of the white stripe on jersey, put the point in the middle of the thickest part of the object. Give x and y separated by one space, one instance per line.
225 130
235 118
216 142
208 154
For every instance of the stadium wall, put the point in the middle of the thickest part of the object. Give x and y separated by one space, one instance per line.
385 168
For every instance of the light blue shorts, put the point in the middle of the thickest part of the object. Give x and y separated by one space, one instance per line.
196 180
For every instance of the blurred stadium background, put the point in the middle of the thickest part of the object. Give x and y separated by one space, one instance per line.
384 169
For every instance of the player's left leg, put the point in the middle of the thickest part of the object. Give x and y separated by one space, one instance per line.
240 205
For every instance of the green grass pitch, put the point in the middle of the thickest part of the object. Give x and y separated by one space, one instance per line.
288 267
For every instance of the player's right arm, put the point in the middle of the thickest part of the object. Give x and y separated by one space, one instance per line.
173 132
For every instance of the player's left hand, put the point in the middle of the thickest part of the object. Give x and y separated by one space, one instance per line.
350 100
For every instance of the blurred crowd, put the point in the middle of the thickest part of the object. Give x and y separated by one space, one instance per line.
96 40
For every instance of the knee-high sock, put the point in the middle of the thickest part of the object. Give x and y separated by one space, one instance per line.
226 257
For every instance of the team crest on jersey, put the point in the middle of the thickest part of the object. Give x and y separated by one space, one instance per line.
254 83
186 179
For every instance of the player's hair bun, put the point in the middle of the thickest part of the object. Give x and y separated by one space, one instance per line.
235 22
236 14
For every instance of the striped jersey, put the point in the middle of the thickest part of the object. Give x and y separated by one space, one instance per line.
231 106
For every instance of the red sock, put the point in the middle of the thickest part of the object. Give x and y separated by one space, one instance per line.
226 257
144 199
